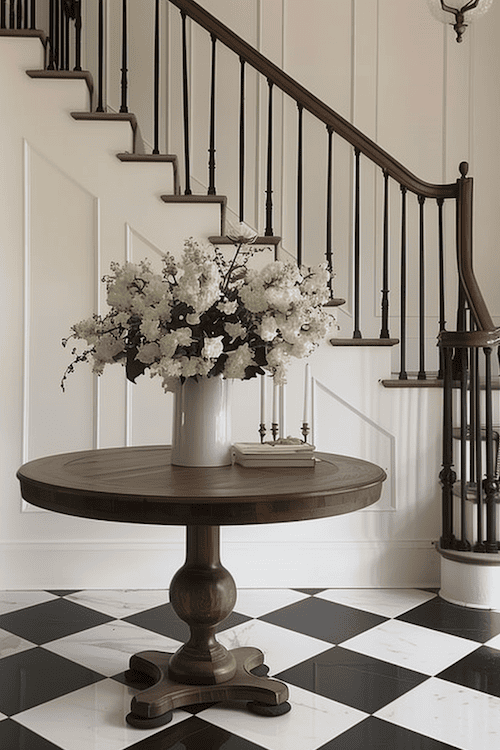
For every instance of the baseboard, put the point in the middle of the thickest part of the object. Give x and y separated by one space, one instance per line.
139 565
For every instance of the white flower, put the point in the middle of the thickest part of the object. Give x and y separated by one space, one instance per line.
148 353
212 348
268 327
241 234
235 330
107 348
228 307
237 362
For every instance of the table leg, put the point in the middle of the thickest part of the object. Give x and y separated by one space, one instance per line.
203 594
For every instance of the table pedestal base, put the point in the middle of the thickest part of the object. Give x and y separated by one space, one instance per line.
153 707
203 594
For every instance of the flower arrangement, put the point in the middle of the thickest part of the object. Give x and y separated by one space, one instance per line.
205 315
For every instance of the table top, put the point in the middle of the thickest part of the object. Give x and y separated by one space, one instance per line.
139 485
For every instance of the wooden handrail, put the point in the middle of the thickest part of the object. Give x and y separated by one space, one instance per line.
312 104
473 293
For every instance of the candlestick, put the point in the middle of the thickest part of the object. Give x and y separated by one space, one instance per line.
307 390
282 421
262 431
275 402
262 399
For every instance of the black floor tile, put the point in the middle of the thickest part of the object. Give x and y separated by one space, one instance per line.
474 624
15 737
64 592
163 620
356 680
375 734
327 621
194 734
311 592
51 620
479 670
35 676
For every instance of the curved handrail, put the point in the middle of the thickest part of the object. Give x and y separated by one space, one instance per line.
312 104
473 293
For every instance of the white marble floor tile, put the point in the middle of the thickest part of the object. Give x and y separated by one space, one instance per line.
92 718
12 644
107 648
2 717
449 713
494 642
384 602
282 648
10 601
411 646
120 603
312 722
258 602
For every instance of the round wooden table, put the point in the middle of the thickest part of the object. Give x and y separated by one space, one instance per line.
139 485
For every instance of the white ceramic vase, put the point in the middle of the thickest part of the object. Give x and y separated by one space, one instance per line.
201 428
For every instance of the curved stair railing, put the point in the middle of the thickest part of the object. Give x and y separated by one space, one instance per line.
429 204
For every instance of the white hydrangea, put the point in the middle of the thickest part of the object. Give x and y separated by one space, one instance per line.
212 348
181 321
237 362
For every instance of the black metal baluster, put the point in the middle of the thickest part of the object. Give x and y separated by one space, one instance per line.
78 35
61 36
442 305
269 188
490 484
100 72
211 148
33 15
124 69
479 546
66 40
19 14
329 191
156 85
421 372
357 187
463 544
447 475
3 14
12 14
25 14
185 98
51 65
299 184
403 375
242 141
384 331
57 30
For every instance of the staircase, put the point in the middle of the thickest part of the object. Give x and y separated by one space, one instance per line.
92 194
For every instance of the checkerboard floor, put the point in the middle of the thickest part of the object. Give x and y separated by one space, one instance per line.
368 669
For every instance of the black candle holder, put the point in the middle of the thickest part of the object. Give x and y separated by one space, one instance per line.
262 431
305 430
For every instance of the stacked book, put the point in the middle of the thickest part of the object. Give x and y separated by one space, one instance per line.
274 455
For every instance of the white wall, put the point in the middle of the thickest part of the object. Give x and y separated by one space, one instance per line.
70 207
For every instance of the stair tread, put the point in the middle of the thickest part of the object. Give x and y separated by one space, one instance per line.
28 33
362 341
224 240
222 199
